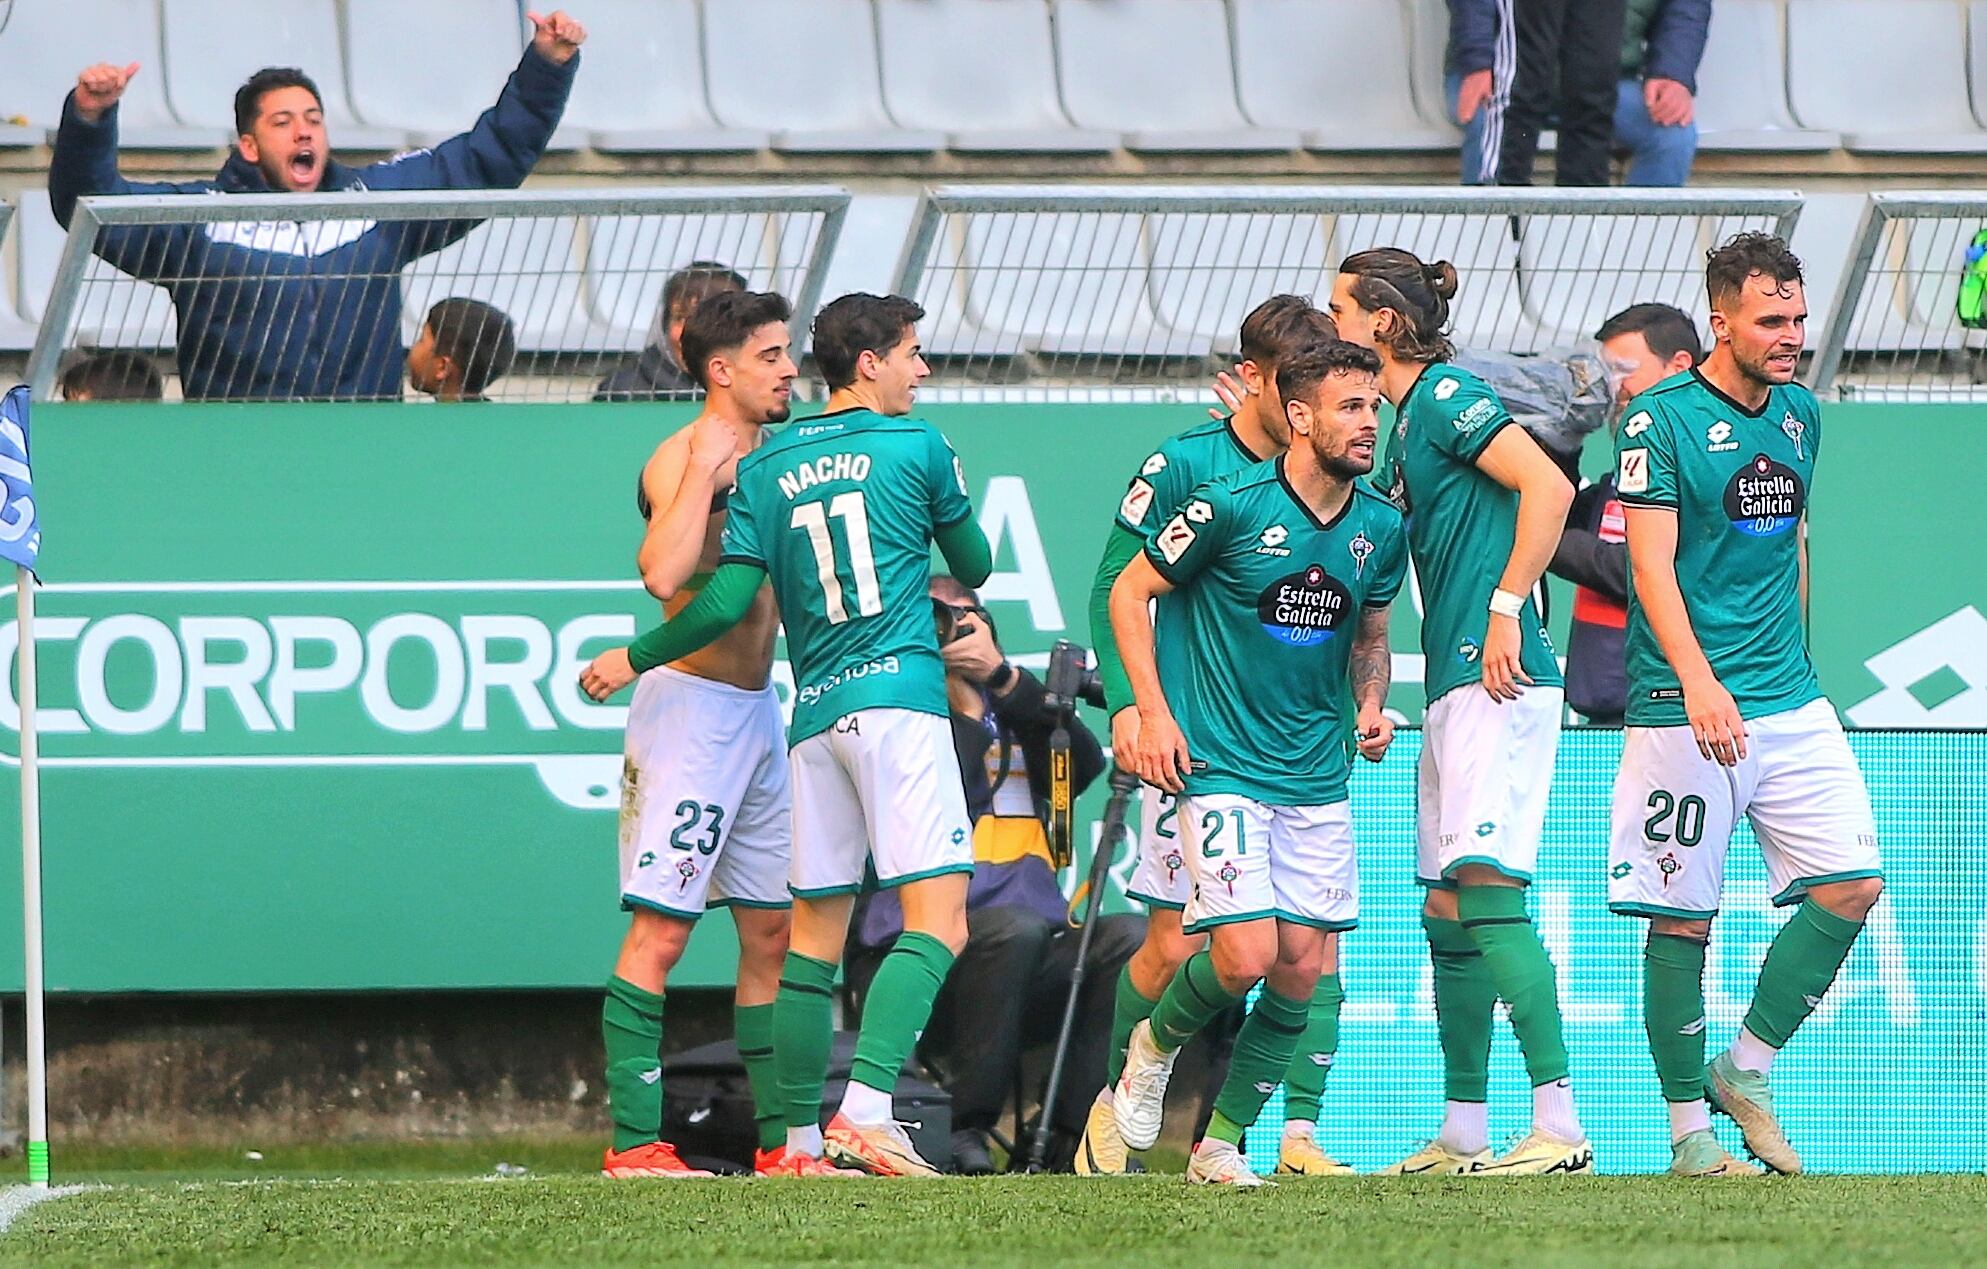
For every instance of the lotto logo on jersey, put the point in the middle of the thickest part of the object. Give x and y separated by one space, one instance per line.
1634 475
1447 388
1304 608
1273 539
1765 498
1153 465
1175 538
1718 438
1138 501
1638 423
1199 512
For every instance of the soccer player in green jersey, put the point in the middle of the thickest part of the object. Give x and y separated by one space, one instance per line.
1725 716
1284 572
1254 430
840 512
1484 506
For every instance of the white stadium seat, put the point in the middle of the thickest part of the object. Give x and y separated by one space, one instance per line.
1890 75
210 51
116 310
1742 84
1158 71
984 71
806 71
528 268
1349 90
45 45
641 87
429 67
1207 270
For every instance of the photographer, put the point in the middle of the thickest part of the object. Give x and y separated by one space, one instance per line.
1009 985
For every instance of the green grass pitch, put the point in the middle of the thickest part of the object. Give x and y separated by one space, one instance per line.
428 1206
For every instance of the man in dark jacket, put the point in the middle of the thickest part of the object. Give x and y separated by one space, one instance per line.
1009 985
657 373
1662 42
1642 345
281 310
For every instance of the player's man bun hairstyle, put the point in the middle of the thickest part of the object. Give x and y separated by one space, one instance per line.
724 322
1279 326
1301 371
1418 293
248 98
1727 267
1667 329
855 324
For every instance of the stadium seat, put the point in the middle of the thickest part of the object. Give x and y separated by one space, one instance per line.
1351 88
834 104
116 311
1976 58
44 46
642 87
1742 84
1209 270
1158 71
16 332
399 82
1642 258
529 268
984 71
1833 47
1071 285
628 258
210 51
1428 51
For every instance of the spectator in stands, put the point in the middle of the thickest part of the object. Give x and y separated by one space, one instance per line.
1009 985
465 346
657 374
285 310
1512 63
115 374
1642 345
1653 104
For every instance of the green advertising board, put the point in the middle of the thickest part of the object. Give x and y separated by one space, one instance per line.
307 672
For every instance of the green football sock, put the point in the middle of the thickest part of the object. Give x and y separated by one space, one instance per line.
1304 1082
1496 919
1189 1002
1802 962
803 1033
752 1027
1262 1053
631 1027
897 1008
1465 1005
1127 1011
1673 1013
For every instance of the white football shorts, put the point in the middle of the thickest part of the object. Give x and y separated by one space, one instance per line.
1481 788
1161 879
1251 860
877 793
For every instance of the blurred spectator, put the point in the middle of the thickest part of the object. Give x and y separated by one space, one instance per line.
1655 113
657 373
1641 346
465 346
1514 65
113 375
301 309
1010 983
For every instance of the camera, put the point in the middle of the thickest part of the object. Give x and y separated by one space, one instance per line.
1071 677
951 620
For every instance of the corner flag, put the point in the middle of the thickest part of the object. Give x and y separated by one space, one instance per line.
20 528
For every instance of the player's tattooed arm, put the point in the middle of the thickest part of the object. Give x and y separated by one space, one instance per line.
1372 673
1652 554
1160 755
678 484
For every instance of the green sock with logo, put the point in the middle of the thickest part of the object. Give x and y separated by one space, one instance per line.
1304 1082
1800 964
631 1028
1465 1006
1498 923
1673 1012
897 1008
803 1034
1128 1009
1189 1003
1262 1054
752 1028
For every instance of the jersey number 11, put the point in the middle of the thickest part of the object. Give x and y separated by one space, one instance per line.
853 512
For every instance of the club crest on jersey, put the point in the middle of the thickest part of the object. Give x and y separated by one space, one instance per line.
1229 874
1765 498
1669 865
1174 861
686 870
1718 438
1304 608
1273 540
1362 549
1796 432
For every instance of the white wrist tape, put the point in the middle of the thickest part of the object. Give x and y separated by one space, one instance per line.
1504 604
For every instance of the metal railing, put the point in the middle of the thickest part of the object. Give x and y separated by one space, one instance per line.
1136 293
1896 332
286 297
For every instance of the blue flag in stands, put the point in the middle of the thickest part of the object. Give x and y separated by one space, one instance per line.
20 528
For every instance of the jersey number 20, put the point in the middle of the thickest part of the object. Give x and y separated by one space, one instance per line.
853 512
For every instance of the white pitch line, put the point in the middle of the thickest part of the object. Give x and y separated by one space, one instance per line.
16 1199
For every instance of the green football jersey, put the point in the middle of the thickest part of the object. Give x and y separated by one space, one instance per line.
1164 480
1270 600
840 511
1461 526
1738 481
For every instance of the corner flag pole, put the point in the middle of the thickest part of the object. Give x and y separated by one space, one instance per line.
24 584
